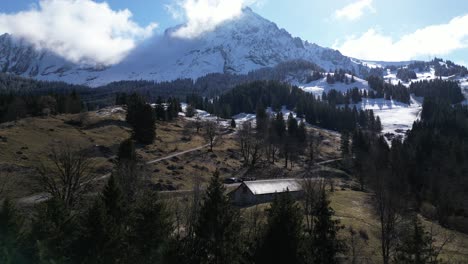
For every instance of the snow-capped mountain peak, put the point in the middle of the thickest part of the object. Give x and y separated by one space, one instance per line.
246 43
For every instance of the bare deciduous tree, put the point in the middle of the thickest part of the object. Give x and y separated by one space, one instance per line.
312 188
311 149
211 131
67 175
357 243
388 206
197 123
250 144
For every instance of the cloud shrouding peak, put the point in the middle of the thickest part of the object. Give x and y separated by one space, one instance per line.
434 40
81 31
204 15
355 10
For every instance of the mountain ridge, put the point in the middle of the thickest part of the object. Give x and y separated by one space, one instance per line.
238 46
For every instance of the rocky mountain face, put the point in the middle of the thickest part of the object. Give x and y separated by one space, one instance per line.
19 57
238 46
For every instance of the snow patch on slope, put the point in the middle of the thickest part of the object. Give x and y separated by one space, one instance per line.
396 117
319 86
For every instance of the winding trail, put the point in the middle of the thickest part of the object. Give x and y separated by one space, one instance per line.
42 197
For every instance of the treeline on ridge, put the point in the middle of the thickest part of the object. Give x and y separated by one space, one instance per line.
246 98
446 90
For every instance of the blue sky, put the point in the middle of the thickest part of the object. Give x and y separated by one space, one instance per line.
369 29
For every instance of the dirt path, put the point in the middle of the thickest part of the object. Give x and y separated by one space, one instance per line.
42 197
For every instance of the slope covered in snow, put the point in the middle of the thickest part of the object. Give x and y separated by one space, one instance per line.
319 86
396 117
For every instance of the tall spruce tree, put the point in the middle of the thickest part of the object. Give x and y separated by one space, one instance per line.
144 128
282 239
416 245
104 228
261 119
126 152
324 244
53 231
126 171
344 147
150 229
134 104
10 228
217 230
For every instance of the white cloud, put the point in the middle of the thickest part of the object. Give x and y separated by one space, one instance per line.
81 31
435 40
205 15
355 10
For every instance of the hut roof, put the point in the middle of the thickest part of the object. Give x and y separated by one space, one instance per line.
273 186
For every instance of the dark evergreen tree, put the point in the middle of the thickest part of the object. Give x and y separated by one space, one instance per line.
127 171
104 228
150 229
190 111
324 244
283 235
344 147
261 120
126 151
10 234
217 230
416 246
144 128
53 232
134 105
233 123
302 134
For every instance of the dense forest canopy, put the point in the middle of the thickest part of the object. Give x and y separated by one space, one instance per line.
445 90
246 98
429 167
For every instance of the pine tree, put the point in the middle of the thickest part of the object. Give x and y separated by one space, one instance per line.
292 125
261 119
126 151
233 123
104 227
134 105
126 171
280 125
302 134
53 231
10 227
144 128
344 147
160 113
92 246
324 243
217 230
416 245
190 111
283 232
150 229
378 125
